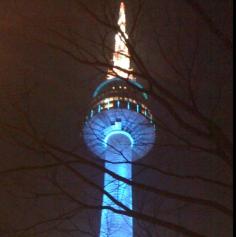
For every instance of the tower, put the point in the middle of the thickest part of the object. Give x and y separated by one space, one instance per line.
120 130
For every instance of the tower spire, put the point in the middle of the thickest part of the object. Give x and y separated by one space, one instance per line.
121 56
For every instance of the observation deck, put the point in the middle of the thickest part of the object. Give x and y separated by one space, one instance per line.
119 107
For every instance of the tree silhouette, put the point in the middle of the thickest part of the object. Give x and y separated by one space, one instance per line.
51 177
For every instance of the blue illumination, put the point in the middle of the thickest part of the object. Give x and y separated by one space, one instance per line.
99 108
145 112
145 95
91 113
108 135
128 105
103 85
119 132
115 130
112 224
119 119
118 104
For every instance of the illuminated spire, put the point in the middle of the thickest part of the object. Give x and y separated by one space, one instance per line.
121 57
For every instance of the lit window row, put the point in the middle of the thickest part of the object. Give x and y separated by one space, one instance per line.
107 100
121 102
119 87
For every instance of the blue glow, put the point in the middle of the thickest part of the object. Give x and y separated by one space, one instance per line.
136 124
113 224
112 135
145 95
141 87
102 85
119 132
91 113
116 135
128 105
118 104
99 108
115 129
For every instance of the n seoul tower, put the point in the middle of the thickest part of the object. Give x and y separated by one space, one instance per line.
119 129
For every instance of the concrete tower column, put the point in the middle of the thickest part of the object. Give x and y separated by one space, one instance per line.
119 150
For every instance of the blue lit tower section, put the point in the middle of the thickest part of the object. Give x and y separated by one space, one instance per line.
119 129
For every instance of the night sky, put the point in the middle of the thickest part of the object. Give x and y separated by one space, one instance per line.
44 90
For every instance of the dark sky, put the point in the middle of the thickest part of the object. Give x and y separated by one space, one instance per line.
60 92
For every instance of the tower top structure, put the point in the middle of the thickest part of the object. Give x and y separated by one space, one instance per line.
121 57
119 106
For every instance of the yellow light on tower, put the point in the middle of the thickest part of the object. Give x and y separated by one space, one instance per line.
121 57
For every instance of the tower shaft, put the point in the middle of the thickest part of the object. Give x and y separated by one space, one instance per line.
113 224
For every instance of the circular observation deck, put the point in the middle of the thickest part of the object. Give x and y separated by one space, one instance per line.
119 107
